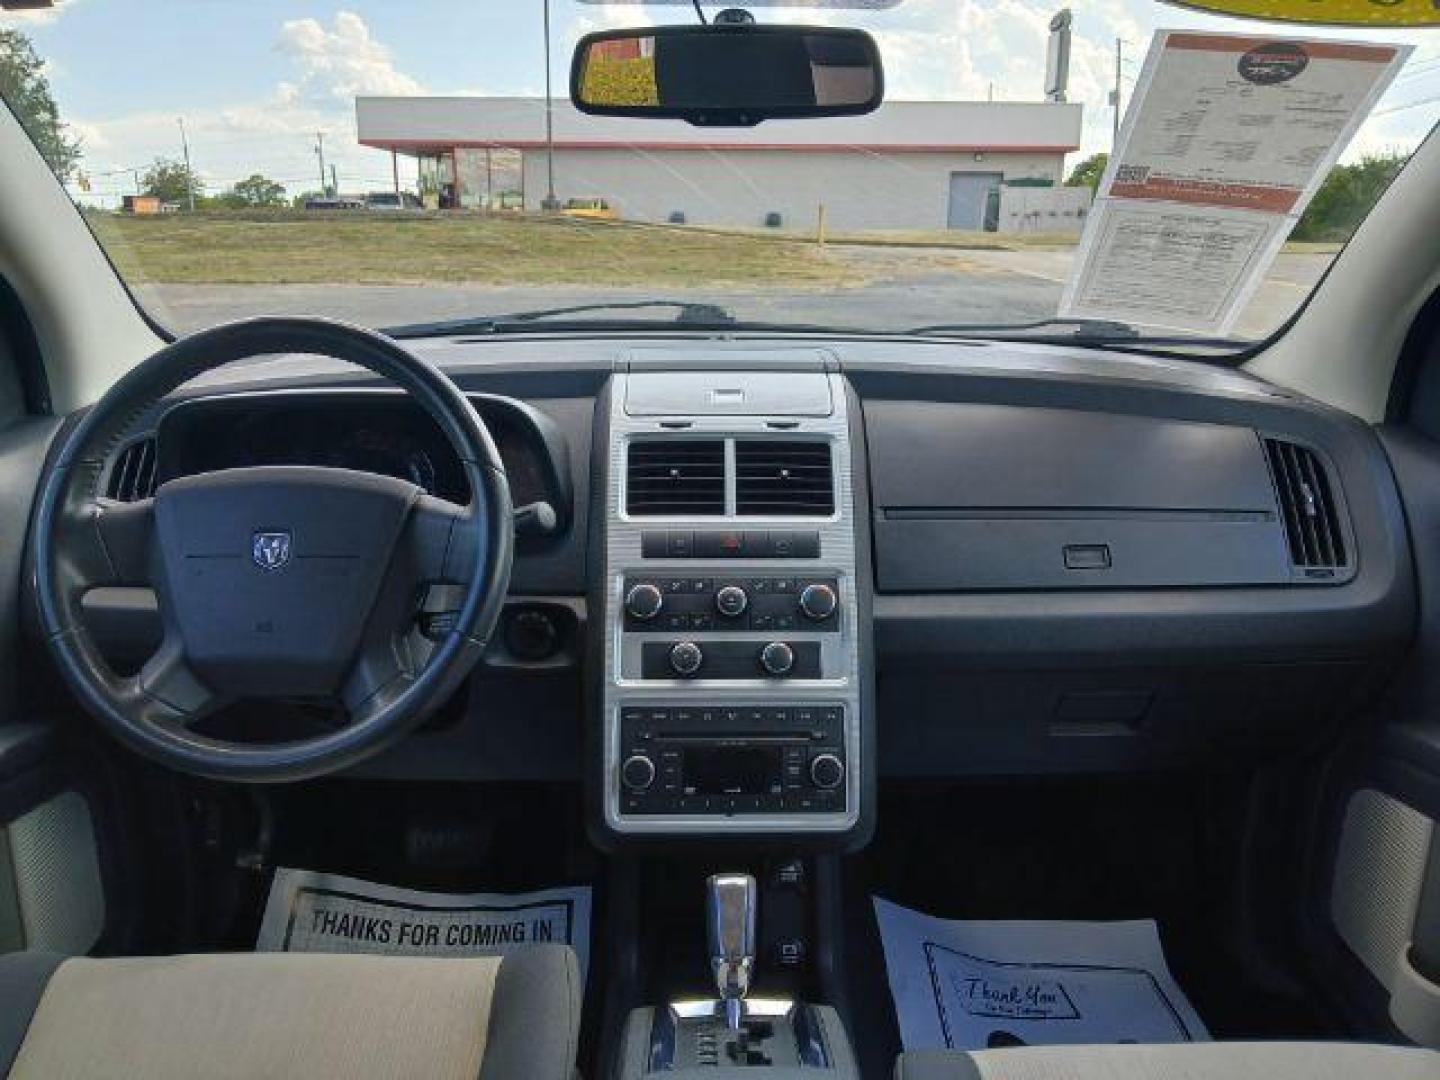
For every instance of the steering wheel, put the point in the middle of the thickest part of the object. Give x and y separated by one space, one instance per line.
275 582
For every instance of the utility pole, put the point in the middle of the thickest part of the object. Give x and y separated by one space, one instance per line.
395 169
550 203
189 176
320 153
334 179
1115 97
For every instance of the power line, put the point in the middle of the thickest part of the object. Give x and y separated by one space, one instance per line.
1407 105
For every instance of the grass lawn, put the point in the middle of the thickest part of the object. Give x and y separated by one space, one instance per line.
379 249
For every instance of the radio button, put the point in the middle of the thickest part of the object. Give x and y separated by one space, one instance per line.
686 658
638 772
827 771
731 601
644 601
818 601
777 658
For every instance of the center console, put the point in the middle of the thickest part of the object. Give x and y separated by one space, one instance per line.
733 697
735 1034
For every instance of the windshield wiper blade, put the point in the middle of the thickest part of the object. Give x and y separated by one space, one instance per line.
687 313
1091 332
1083 329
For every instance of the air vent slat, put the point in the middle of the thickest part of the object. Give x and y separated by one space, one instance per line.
1308 507
132 476
675 476
784 477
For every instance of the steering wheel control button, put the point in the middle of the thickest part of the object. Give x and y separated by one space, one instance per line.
731 601
818 601
644 601
686 658
638 773
777 658
827 771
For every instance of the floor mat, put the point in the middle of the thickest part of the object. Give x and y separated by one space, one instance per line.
969 985
314 912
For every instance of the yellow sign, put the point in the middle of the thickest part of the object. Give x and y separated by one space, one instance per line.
1326 12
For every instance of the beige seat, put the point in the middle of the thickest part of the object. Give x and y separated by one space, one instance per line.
290 1015
1181 1061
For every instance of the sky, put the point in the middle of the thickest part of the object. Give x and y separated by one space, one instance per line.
256 80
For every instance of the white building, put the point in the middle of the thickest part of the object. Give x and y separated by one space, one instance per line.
909 165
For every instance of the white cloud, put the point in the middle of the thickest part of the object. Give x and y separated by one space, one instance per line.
340 62
330 65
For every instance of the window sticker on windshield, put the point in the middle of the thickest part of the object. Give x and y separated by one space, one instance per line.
1227 138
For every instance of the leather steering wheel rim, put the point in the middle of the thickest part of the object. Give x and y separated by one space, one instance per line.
79 542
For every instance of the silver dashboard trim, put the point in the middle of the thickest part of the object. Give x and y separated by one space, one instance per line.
623 556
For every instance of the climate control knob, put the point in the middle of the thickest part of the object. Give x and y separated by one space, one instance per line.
827 771
644 601
731 601
777 658
686 658
818 601
637 773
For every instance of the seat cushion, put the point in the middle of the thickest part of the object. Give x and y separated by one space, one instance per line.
298 1015
1180 1061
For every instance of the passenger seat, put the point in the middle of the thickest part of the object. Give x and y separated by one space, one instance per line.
1179 1061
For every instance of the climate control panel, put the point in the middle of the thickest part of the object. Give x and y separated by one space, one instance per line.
741 605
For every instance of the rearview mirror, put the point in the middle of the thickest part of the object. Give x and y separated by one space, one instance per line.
727 75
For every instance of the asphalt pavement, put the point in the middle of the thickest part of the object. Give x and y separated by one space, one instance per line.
905 288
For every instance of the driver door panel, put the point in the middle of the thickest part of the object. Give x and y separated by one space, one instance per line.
51 895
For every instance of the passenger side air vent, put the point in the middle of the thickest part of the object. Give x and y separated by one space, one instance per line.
132 477
1307 503
675 476
784 476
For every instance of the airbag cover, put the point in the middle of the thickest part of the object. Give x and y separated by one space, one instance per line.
271 572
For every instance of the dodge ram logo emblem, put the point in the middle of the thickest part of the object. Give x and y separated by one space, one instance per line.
270 550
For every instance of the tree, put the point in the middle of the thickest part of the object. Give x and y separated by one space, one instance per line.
23 85
1088 172
1346 196
255 191
171 181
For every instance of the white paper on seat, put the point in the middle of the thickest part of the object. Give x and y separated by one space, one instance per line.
313 912
971 985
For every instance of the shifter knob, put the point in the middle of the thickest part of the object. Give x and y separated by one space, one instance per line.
730 920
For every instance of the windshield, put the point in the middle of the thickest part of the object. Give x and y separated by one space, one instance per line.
396 164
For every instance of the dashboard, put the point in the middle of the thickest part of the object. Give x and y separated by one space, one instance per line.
1026 559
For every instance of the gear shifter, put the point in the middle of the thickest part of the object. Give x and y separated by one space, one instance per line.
730 915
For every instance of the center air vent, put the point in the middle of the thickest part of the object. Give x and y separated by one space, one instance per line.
132 477
1307 503
784 477
676 476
